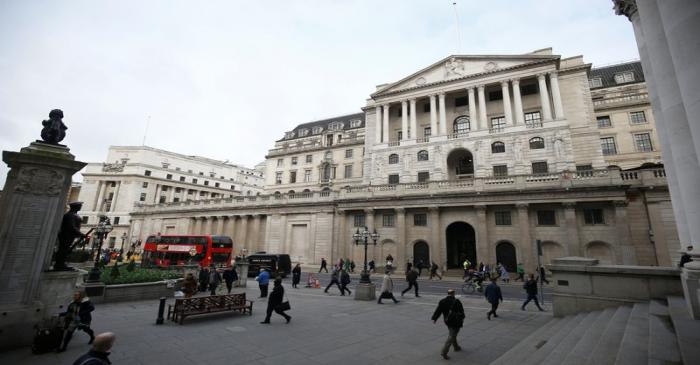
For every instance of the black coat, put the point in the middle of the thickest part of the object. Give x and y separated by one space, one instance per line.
443 309
531 287
412 276
230 276
93 358
276 296
84 310
493 293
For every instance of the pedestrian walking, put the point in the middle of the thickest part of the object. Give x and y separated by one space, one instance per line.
409 266
230 275
412 279
420 265
520 269
324 265
335 279
371 267
503 273
434 271
344 281
340 264
274 303
214 280
487 271
389 262
189 285
77 316
387 288
203 278
543 275
452 311
352 266
347 264
531 290
263 280
493 295
466 265
296 276
99 353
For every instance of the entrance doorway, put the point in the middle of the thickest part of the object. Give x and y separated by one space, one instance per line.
461 244
421 252
505 254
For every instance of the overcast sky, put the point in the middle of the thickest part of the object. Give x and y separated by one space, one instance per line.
225 79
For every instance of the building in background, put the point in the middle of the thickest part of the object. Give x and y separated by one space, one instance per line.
137 175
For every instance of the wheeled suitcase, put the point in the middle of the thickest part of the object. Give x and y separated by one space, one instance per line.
48 336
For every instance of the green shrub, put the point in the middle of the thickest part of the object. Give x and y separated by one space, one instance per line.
114 273
139 275
131 266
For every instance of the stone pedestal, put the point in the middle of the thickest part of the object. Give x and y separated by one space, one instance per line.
365 292
32 204
690 278
242 266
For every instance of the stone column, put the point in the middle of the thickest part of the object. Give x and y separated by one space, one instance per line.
100 196
484 251
219 225
372 253
443 114
404 119
113 205
436 245
572 229
483 122
506 103
210 225
378 126
338 246
385 115
186 226
170 198
433 116
556 95
473 122
414 124
284 245
244 232
253 242
544 98
401 236
528 249
626 254
518 103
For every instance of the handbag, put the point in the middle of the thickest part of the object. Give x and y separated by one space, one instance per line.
284 306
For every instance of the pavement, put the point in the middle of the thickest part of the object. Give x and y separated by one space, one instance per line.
325 329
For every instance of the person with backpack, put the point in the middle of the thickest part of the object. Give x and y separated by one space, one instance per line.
344 281
531 290
493 296
453 314
335 280
412 279
434 271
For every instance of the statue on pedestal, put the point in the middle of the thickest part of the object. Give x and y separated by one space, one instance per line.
70 230
54 130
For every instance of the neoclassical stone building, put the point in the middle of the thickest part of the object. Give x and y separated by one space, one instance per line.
473 156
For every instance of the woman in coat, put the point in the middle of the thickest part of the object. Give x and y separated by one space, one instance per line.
296 275
274 301
189 286
387 288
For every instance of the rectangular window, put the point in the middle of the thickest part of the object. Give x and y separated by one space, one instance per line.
595 82
500 170
115 221
642 141
495 95
206 182
529 89
84 219
164 188
233 187
194 181
309 158
292 177
161 199
584 170
329 140
182 178
294 160
142 198
144 185
169 176
461 101
216 185
423 176
394 179
427 132
502 217
540 167
624 77
278 177
607 144
546 218
202 193
498 124
178 190
604 121
533 119
348 171
348 153
280 162
359 220
593 216
388 220
399 135
307 175
420 219
426 108
147 173
638 118
176 199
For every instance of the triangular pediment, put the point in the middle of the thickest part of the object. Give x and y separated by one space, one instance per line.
462 67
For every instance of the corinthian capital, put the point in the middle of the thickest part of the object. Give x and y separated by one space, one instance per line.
625 7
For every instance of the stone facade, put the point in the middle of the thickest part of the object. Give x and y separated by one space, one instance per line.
494 153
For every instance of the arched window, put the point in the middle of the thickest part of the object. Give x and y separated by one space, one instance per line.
461 125
393 159
423 155
498 147
536 143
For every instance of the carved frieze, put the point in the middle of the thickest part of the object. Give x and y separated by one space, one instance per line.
38 181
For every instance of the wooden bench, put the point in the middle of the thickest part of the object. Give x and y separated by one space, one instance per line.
186 307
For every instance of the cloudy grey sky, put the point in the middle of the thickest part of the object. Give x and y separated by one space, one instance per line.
225 79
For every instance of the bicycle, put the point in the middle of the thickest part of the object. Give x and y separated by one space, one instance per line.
469 287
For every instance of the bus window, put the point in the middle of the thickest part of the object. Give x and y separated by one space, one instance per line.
221 242
220 258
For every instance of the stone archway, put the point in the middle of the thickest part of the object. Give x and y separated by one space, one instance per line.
460 164
461 244
421 252
505 254
601 251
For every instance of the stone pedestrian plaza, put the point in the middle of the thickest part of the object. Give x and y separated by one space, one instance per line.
325 329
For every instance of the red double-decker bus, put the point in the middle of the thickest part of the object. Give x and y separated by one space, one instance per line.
170 250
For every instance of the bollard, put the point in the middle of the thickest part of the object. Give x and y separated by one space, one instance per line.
161 309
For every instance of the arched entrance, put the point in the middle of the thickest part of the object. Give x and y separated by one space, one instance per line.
461 244
421 252
505 254
460 164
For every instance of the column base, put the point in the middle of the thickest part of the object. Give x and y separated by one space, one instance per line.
365 292
690 279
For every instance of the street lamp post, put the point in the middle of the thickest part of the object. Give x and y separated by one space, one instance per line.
102 230
362 238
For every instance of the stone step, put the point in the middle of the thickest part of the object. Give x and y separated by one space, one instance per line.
528 344
540 354
559 353
687 330
605 352
663 346
634 348
580 353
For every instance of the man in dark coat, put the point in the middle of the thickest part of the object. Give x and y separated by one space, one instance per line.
531 290
69 231
77 317
99 354
203 279
453 314
324 264
335 280
412 279
230 275
344 281
494 296
214 280
543 275
274 301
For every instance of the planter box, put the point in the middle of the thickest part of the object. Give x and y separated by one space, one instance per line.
138 291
